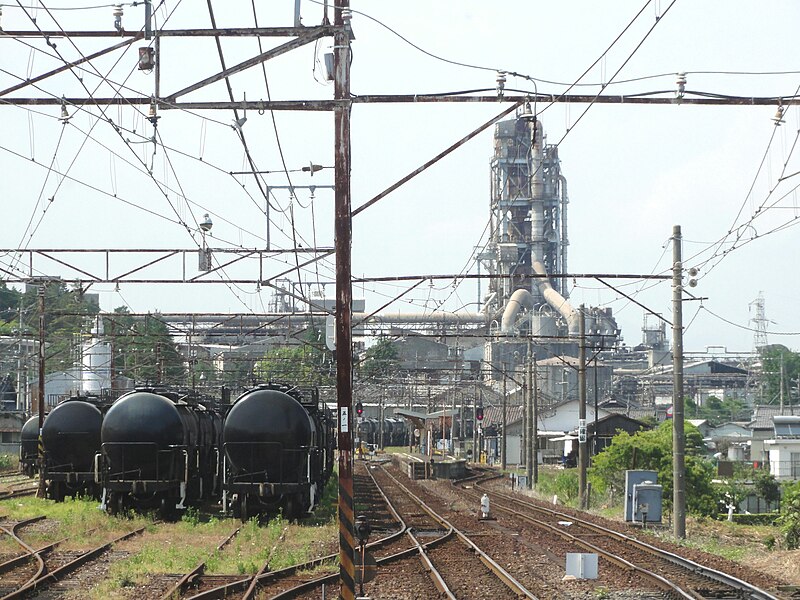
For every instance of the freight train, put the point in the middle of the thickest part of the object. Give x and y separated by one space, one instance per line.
71 440
29 447
278 443
159 450
395 432
165 449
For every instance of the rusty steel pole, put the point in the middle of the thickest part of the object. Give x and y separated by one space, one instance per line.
40 446
344 294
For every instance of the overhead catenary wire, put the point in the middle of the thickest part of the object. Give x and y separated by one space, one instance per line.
180 220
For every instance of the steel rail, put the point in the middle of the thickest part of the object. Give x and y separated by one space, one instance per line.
31 553
13 563
403 554
191 577
753 592
249 593
17 493
227 589
315 583
493 566
661 582
434 574
657 580
65 569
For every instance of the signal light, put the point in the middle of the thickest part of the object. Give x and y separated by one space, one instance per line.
479 413
359 408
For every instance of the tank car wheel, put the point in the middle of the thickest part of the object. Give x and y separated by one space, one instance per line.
243 508
166 510
119 505
55 491
294 507
111 504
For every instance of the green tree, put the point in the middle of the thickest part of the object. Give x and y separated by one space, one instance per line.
380 360
767 486
144 349
774 358
310 363
67 316
652 450
9 303
790 518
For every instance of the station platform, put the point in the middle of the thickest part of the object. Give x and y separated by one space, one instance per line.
419 466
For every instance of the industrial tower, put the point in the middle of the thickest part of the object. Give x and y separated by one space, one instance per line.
529 238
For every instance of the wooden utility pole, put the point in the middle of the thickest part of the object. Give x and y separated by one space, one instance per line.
678 439
583 459
344 294
41 492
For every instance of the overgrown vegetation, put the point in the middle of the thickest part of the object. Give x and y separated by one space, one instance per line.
145 352
309 363
652 450
790 518
780 366
379 360
561 482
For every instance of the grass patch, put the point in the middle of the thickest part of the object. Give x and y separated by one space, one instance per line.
176 547
9 461
80 521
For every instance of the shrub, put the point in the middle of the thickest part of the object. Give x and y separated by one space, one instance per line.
790 519
756 519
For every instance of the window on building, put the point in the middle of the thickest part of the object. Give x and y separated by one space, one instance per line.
795 465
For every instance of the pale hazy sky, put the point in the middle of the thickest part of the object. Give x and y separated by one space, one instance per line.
633 171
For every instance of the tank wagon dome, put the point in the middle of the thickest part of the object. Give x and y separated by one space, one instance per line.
262 424
143 417
30 430
71 433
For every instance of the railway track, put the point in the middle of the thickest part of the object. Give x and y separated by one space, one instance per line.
28 574
675 576
197 585
29 490
442 561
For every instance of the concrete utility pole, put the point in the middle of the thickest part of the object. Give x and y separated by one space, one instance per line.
503 444
453 426
524 429
343 234
41 491
532 454
21 358
535 419
678 440
583 458
380 418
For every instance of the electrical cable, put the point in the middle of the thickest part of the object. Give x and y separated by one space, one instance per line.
737 325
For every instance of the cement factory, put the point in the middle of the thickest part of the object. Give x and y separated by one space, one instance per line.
447 360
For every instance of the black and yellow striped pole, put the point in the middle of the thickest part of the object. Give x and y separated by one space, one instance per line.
344 295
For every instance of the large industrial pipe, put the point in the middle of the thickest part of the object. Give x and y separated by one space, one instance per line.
523 298
557 301
517 300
